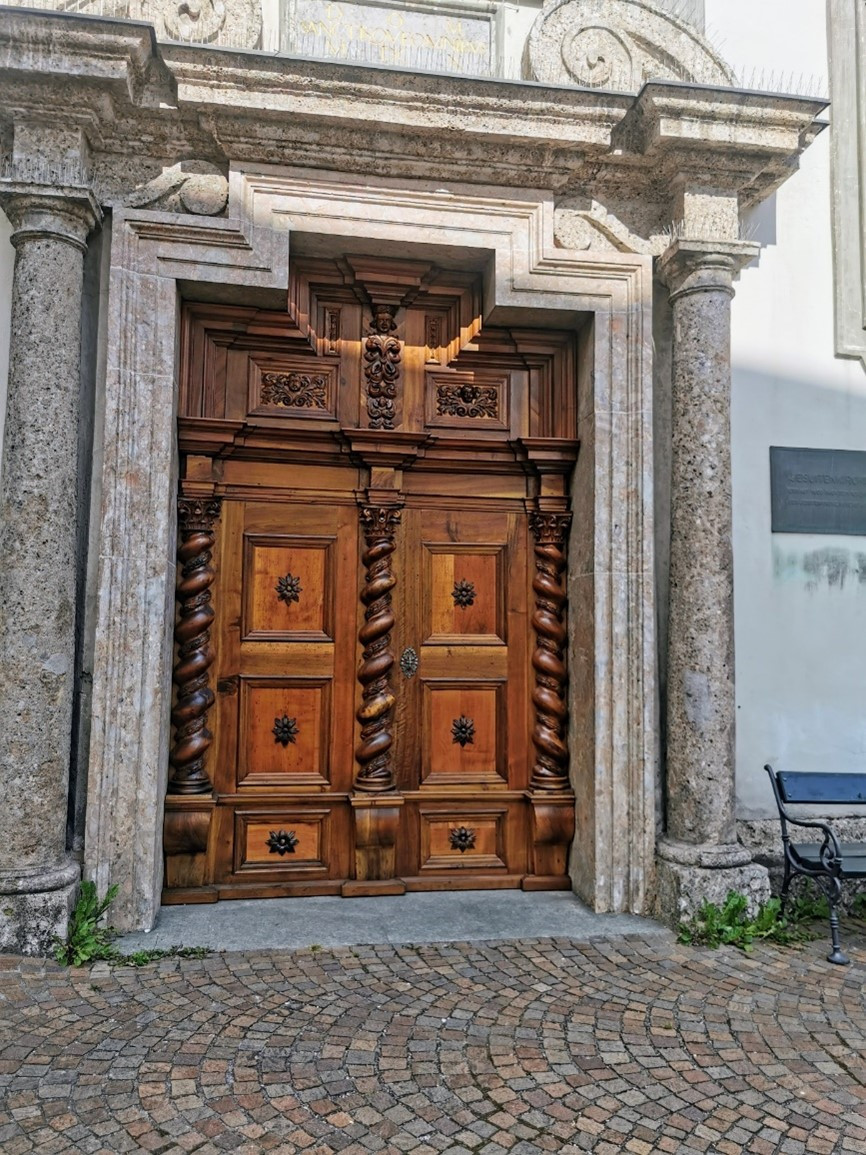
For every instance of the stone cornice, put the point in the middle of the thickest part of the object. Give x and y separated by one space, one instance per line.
160 104
121 56
733 139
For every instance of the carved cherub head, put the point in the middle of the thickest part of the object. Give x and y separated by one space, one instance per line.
383 319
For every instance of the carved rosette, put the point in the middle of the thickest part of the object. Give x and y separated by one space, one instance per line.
463 731
550 772
282 842
463 594
382 368
192 739
462 838
373 754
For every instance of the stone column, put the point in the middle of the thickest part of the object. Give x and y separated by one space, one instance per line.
699 854
38 546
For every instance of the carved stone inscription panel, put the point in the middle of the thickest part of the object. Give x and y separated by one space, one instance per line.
439 37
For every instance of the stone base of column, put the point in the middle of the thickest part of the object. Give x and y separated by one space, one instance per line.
35 907
688 876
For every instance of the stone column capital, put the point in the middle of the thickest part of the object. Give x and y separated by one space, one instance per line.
67 213
694 266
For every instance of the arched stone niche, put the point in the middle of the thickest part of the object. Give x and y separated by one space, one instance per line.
618 45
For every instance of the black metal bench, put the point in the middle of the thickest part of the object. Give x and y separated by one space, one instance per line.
830 861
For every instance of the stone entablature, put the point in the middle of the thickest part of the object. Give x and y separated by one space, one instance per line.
634 168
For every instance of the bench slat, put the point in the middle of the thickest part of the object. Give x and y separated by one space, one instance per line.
853 856
830 789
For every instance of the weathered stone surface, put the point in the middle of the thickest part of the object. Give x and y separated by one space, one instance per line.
683 889
234 22
699 853
701 707
192 186
38 541
700 761
164 102
35 905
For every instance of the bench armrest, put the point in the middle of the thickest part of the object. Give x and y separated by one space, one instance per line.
831 842
831 852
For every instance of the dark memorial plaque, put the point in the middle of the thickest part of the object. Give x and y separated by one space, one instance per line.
818 490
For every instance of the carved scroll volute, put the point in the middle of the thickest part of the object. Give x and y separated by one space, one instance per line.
550 772
192 739
375 774
382 368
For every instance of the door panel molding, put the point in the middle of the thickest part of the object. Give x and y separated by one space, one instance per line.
299 605
465 732
285 732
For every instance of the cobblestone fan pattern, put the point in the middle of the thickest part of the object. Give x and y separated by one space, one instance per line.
625 1045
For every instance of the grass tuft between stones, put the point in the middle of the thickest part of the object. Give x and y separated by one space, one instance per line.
731 924
87 940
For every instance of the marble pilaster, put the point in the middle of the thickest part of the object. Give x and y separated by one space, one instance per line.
699 854
38 542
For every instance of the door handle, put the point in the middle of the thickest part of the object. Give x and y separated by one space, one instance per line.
409 662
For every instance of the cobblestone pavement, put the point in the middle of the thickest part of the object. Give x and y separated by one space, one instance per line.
617 1045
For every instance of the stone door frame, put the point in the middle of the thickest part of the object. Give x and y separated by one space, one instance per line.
529 281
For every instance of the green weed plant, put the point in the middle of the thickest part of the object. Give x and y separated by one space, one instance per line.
731 925
87 940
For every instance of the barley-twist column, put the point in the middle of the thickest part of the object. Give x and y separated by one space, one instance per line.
552 818
373 754
375 802
192 739
550 771
38 558
700 857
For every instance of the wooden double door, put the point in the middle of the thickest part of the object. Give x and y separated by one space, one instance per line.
374 697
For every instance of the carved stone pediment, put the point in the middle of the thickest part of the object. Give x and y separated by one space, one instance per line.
618 45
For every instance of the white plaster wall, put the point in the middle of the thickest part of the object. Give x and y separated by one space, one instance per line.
800 600
7 261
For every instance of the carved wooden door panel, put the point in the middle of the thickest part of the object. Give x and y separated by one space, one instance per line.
370 665
284 724
463 717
